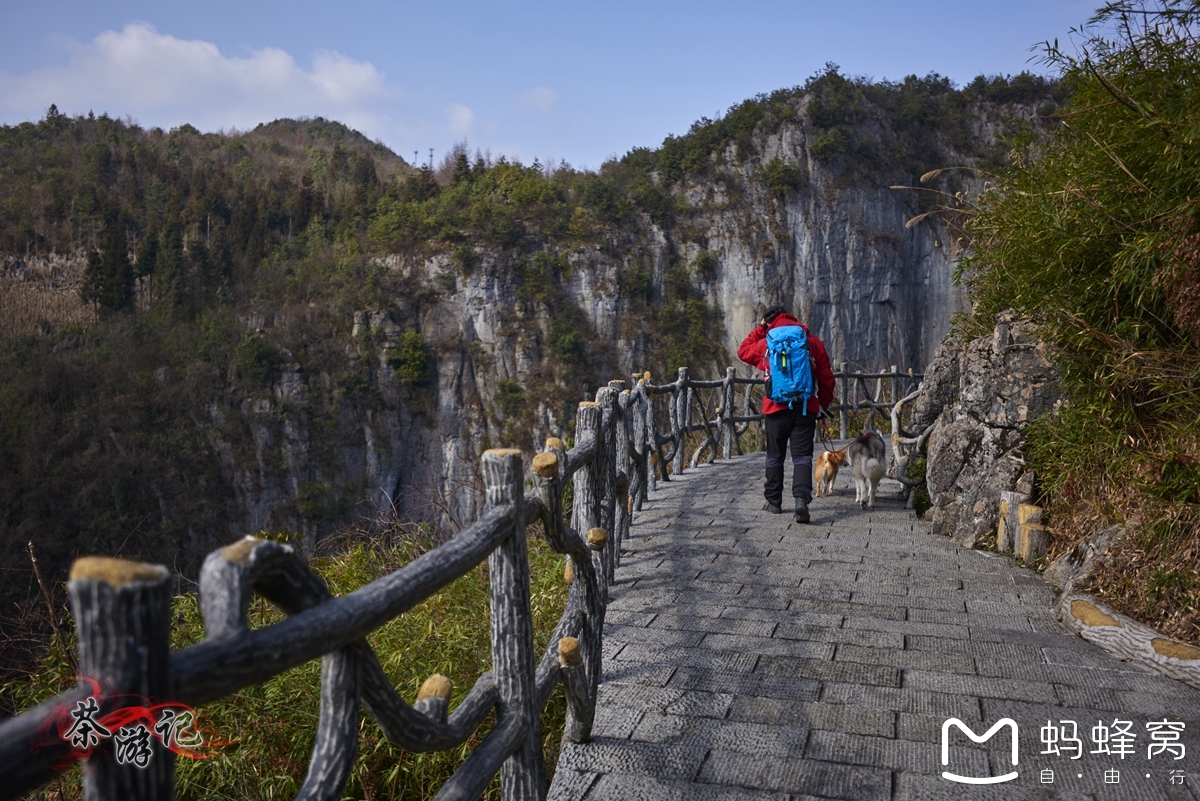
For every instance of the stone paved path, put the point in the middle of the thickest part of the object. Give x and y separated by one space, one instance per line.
747 657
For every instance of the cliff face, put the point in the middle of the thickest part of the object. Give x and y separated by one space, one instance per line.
837 250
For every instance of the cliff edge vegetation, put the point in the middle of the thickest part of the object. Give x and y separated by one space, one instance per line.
1094 230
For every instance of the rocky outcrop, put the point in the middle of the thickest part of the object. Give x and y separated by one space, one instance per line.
1004 381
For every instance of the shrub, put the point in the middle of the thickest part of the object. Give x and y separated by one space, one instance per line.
781 177
410 359
510 397
705 265
254 360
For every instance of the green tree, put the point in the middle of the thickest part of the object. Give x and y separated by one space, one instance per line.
108 278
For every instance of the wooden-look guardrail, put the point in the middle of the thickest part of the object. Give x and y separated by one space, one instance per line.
723 428
122 615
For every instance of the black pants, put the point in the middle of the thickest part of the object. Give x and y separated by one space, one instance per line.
798 429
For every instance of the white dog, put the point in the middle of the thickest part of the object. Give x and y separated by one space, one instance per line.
868 457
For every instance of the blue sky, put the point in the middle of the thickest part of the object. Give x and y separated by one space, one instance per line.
567 81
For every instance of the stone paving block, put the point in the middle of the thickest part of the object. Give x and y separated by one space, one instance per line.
1109 676
691 596
661 637
874 576
1125 702
615 722
1026 637
766 645
751 684
627 787
831 717
775 576
818 633
904 699
948 588
925 660
1011 669
909 602
983 606
648 673
1094 658
699 703
907 627
762 597
979 685
807 612
741 562
635 696
840 609
999 650
621 617
610 648
1030 716
1048 625
637 603
735 609
714 582
716 625
824 670
835 560
571 785
968 619
823 779
881 752
825 586
626 756
755 739
677 656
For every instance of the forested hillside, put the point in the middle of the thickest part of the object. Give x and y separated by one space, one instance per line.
291 328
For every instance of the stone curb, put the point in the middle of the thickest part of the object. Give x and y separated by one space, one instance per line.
1127 639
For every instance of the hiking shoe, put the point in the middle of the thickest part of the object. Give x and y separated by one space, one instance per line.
772 508
801 510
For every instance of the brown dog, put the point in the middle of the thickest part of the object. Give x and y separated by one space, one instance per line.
826 470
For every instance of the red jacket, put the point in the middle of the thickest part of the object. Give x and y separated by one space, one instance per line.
753 351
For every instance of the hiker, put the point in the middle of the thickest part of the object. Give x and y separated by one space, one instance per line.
801 392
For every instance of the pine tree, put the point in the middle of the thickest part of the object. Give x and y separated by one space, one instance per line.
108 279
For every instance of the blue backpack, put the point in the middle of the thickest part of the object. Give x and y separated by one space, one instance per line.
790 370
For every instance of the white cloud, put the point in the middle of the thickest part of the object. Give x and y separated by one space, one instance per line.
461 119
160 79
541 98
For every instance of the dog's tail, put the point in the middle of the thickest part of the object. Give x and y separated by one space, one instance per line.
874 468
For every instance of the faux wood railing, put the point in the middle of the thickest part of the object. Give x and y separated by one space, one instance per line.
723 427
122 614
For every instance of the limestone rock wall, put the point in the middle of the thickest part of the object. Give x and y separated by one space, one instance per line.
982 396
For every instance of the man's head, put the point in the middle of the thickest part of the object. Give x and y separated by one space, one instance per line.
770 314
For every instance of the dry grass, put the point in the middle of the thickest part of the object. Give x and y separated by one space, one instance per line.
1152 574
28 309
